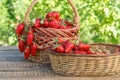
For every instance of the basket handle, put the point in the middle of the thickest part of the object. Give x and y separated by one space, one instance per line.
76 16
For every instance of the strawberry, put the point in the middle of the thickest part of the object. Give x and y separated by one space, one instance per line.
62 27
20 28
69 46
64 43
55 15
79 52
27 52
49 15
68 27
84 47
33 49
37 23
60 40
89 51
59 49
54 24
46 23
76 48
37 20
21 45
30 37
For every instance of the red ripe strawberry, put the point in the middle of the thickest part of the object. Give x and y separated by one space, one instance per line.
23 32
64 43
30 37
69 46
20 28
59 49
60 40
46 23
33 49
84 47
49 15
89 51
27 52
68 27
76 48
62 27
37 23
55 15
21 45
54 24
79 52
37 20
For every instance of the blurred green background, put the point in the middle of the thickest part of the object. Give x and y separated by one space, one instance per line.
99 19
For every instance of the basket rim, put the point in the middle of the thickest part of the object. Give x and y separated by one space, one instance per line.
59 29
88 55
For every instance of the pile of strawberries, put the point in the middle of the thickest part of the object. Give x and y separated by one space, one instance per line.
52 20
26 42
69 47
25 33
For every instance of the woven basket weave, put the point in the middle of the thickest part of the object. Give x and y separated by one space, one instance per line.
44 37
87 65
42 56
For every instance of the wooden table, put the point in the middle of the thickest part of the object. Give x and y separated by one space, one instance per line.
14 67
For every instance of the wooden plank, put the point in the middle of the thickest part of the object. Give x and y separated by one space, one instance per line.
23 66
14 67
26 74
8 48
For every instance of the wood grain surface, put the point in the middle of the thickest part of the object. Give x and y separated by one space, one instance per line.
13 66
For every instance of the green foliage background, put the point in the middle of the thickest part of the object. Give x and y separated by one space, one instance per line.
99 19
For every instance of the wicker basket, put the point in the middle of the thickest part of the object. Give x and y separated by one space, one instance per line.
44 37
87 65
42 56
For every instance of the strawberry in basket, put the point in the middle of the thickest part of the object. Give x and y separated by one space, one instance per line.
68 47
26 40
52 20
27 32
44 30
